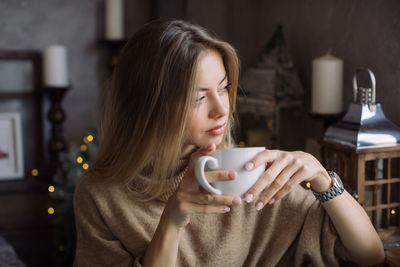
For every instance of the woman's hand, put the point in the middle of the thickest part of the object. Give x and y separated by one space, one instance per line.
285 170
191 198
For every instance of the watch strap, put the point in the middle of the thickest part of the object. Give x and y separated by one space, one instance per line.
336 189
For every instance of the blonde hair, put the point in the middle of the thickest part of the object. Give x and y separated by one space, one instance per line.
150 100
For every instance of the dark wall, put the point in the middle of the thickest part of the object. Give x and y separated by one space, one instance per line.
361 32
78 25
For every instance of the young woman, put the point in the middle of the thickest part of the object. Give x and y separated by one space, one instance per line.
171 101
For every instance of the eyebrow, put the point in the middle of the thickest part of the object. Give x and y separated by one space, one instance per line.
205 89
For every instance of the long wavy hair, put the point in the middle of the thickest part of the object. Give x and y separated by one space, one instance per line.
151 96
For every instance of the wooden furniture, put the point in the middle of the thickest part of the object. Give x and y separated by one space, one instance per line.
373 176
24 218
56 116
27 100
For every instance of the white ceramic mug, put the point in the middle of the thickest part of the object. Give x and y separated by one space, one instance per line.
233 159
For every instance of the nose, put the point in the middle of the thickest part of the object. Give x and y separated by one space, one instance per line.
220 107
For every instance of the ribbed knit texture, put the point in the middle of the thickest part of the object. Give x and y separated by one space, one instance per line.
114 229
142 180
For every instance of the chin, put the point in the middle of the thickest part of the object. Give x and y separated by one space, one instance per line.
217 140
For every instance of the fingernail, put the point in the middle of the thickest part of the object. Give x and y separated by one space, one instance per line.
211 147
236 201
259 205
249 166
232 175
249 198
227 209
272 201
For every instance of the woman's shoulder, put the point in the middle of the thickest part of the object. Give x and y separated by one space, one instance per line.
106 192
89 184
96 188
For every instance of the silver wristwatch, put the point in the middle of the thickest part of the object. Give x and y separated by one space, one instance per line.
336 190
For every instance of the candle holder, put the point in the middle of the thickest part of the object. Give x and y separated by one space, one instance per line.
115 47
56 117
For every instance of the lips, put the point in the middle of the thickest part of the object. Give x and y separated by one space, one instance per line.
220 129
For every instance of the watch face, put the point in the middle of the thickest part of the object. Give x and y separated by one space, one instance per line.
337 179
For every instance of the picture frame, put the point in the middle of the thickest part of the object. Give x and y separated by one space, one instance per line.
11 149
21 91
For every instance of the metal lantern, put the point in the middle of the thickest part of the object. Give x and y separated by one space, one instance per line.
364 147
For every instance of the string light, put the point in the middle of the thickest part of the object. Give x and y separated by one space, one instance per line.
90 138
79 159
393 212
51 189
83 148
85 166
35 172
308 185
50 210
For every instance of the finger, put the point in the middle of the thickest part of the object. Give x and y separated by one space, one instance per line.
296 179
278 184
202 190
189 177
266 179
217 176
203 151
208 199
190 207
266 156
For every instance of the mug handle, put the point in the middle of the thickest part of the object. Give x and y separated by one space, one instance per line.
199 173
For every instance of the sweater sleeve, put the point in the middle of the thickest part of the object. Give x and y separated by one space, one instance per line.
319 241
96 245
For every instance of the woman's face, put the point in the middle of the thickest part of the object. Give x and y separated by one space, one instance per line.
209 118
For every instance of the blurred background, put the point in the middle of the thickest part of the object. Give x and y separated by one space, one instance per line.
59 120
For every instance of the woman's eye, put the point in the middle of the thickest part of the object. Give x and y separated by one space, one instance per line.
226 88
200 99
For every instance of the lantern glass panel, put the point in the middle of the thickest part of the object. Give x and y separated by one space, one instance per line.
383 168
369 193
376 195
395 168
395 193
382 191
369 170
376 169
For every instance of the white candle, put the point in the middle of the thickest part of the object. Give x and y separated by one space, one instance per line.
114 16
327 85
55 66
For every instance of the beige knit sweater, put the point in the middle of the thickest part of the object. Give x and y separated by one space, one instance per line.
114 229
